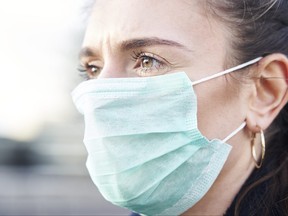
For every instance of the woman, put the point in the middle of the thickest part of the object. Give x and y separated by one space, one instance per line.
187 93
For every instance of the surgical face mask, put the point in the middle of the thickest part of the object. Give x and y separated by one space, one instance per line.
145 151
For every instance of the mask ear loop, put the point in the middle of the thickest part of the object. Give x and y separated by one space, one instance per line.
221 74
226 71
234 132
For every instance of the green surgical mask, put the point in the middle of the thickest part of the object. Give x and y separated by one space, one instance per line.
145 151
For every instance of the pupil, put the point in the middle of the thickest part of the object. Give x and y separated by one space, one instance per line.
94 70
147 62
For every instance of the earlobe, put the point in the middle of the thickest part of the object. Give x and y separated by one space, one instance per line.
270 92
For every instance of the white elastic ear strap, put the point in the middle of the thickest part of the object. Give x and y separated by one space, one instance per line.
234 132
227 71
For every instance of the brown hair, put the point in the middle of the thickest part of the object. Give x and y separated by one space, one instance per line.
259 28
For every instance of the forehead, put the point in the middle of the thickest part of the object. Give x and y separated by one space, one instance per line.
186 22
125 19
154 12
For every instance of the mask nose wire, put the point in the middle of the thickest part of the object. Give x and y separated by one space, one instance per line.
226 71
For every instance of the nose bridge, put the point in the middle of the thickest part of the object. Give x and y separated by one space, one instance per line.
112 68
113 61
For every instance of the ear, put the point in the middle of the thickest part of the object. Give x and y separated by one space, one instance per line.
270 92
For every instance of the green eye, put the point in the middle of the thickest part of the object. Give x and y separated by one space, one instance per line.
148 62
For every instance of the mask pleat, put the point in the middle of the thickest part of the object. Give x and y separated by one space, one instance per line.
145 151
173 160
115 155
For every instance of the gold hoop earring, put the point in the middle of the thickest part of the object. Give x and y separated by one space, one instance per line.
258 165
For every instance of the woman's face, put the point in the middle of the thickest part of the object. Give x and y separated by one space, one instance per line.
132 38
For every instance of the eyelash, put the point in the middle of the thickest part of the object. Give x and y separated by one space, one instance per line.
85 71
139 56
82 72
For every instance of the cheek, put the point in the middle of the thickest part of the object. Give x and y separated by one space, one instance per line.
220 108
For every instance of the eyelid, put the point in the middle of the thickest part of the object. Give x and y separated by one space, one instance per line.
86 69
138 54
162 65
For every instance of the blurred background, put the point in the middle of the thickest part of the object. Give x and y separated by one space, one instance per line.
42 157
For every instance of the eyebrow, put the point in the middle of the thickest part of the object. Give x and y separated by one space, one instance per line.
153 41
87 52
137 43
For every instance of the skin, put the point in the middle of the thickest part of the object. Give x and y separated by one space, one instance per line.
182 36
